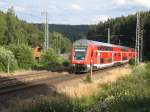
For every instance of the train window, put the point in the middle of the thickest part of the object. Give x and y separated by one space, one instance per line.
79 55
102 60
102 48
105 48
124 58
109 60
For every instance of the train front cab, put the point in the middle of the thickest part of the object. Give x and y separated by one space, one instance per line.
79 56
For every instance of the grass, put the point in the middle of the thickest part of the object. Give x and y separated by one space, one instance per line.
88 79
128 94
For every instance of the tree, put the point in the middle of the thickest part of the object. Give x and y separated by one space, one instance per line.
59 43
23 54
11 25
3 28
49 59
125 26
6 56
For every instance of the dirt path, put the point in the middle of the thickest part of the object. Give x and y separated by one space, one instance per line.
78 87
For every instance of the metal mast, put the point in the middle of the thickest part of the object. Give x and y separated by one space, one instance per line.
47 32
141 56
108 41
46 39
139 40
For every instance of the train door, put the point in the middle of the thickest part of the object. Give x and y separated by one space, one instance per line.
109 60
117 55
124 56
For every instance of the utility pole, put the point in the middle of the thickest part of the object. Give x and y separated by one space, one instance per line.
91 69
8 65
108 41
139 40
46 28
141 56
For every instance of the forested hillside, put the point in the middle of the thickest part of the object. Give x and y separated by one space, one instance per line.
73 32
123 31
17 37
15 31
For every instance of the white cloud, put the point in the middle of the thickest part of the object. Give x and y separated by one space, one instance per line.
145 3
120 2
76 7
2 3
99 18
19 9
103 18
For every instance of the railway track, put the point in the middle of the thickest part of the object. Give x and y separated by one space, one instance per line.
16 83
8 78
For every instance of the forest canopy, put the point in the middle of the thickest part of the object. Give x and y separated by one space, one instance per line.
16 31
123 31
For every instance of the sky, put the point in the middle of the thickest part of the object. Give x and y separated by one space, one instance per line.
73 12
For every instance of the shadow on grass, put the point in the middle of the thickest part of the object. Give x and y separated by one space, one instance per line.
9 98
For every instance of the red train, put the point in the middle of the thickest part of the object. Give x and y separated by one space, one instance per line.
87 52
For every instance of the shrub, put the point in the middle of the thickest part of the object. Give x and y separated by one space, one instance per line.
66 63
132 61
49 59
88 79
6 55
23 54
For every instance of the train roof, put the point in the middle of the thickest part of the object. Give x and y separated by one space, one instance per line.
85 42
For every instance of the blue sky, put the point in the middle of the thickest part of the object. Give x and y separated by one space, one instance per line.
74 11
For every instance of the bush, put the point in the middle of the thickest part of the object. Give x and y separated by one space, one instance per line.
4 56
66 63
23 54
49 59
132 61
88 79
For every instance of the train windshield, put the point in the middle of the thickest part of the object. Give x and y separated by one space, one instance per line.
79 53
